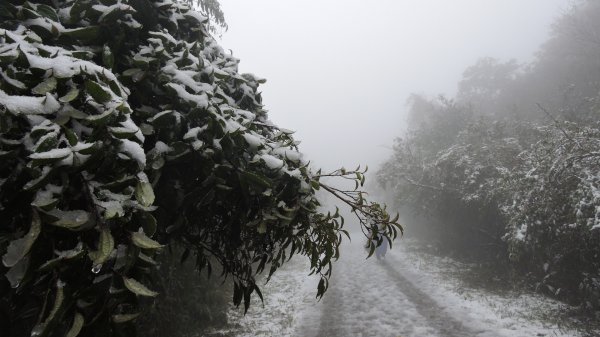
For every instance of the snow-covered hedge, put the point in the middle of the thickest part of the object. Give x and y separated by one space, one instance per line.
125 127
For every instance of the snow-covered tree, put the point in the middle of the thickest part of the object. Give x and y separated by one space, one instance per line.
125 128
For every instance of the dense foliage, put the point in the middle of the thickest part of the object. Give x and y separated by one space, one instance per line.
125 129
509 170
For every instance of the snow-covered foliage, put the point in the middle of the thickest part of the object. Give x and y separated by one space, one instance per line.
508 171
125 127
513 192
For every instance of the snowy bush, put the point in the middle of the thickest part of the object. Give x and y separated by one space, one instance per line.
553 213
501 197
125 127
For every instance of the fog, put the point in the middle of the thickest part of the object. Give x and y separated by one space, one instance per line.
339 72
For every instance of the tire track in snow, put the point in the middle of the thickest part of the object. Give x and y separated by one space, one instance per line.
436 316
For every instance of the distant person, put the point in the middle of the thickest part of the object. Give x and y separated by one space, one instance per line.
382 249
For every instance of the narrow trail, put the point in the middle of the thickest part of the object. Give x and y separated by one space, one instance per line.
405 295
373 298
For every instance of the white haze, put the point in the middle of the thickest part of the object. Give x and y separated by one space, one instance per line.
339 72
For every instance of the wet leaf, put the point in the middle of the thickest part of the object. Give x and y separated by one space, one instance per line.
144 193
77 325
72 220
20 247
141 240
138 288
16 274
43 328
124 318
106 244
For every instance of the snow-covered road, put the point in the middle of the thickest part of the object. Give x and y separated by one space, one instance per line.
405 295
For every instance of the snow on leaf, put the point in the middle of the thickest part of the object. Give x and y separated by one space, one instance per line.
72 220
134 150
97 91
29 105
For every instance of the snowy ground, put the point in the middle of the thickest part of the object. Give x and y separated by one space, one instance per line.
407 294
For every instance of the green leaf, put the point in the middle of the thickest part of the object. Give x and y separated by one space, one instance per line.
47 12
122 132
17 272
48 85
106 244
70 96
138 288
21 247
72 220
42 329
255 179
148 222
78 7
144 193
72 254
141 240
102 118
77 325
84 34
44 201
123 318
71 136
100 94
107 57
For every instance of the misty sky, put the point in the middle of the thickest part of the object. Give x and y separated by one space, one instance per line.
339 72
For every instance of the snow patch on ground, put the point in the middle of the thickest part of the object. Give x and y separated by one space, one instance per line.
408 294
